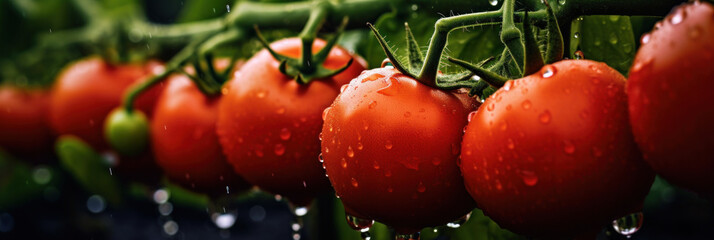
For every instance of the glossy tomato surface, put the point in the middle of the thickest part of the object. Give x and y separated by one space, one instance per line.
552 154
24 124
669 92
390 146
269 124
87 90
185 143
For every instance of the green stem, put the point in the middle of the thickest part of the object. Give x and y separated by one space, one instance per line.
309 33
511 35
89 9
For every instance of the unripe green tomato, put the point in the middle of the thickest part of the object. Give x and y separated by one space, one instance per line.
127 132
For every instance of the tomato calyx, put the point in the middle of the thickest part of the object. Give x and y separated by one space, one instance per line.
309 67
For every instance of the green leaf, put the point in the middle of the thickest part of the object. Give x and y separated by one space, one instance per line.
88 168
16 183
606 39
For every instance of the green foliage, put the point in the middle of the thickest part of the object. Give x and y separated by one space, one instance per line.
606 39
16 182
88 168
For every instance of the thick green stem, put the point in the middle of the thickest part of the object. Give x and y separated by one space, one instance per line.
309 33
511 36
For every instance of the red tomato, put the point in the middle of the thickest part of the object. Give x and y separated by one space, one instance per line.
185 143
669 92
390 146
269 124
87 90
552 154
24 128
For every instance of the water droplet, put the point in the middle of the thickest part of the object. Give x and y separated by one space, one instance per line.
224 221
375 165
544 117
510 144
528 177
261 93
549 71
96 204
170 228
354 182
350 152
358 224
490 107
344 87
436 161
526 104
301 211
576 35
407 114
613 38
678 17
694 32
568 147
459 222
421 188
280 110
504 126
579 55
285 134
387 63
645 39
325 112
279 149
471 115
388 145
343 162
360 146
629 224
372 104
561 2
493 2
508 85
322 160
614 18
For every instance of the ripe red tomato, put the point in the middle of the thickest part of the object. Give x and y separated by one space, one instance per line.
269 124
669 92
552 154
24 127
87 90
185 143
390 146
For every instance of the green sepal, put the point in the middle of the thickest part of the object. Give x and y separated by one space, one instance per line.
88 168
490 77
554 37
534 59
390 54
416 58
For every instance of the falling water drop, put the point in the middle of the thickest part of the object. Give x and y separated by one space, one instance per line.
224 221
360 224
459 222
493 2
629 224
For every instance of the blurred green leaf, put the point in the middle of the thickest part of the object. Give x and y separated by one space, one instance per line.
88 168
16 183
194 10
606 39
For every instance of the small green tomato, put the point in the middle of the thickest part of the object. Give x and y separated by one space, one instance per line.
127 132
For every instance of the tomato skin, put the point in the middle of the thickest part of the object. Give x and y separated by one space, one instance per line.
185 143
669 92
390 146
24 128
269 124
87 90
554 156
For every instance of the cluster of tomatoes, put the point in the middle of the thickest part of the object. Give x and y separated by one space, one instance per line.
557 153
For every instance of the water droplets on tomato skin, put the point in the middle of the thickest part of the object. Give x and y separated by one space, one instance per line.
354 182
645 38
421 188
350 152
325 112
549 71
285 134
343 88
471 115
544 117
279 149
529 177
343 162
372 104
526 104
388 145
568 147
